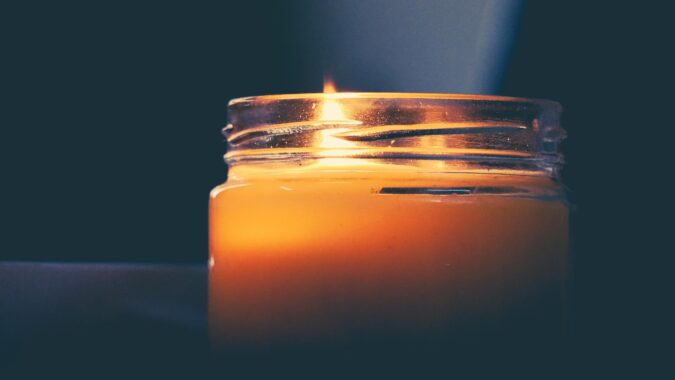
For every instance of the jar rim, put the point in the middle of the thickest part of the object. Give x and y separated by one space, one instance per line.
394 95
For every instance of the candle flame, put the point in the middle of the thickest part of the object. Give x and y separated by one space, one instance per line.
328 86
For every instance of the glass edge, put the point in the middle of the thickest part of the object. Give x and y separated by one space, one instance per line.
391 95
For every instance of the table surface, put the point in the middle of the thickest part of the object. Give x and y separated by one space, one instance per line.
75 313
110 320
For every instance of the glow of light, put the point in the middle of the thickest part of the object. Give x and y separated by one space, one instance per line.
331 111
330 108
332 115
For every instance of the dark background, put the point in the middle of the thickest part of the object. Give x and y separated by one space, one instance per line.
112 114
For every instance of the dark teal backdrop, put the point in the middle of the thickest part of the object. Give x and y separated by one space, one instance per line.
111 115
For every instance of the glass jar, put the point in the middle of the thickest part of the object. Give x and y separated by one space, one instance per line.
389 223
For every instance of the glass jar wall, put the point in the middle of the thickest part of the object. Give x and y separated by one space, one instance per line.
389 223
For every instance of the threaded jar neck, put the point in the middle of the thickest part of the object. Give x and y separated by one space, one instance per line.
446 132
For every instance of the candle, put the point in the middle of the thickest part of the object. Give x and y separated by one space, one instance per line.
351 220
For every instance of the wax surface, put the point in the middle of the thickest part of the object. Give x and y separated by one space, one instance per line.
327 257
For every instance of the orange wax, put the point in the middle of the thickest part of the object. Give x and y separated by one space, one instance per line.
343 255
